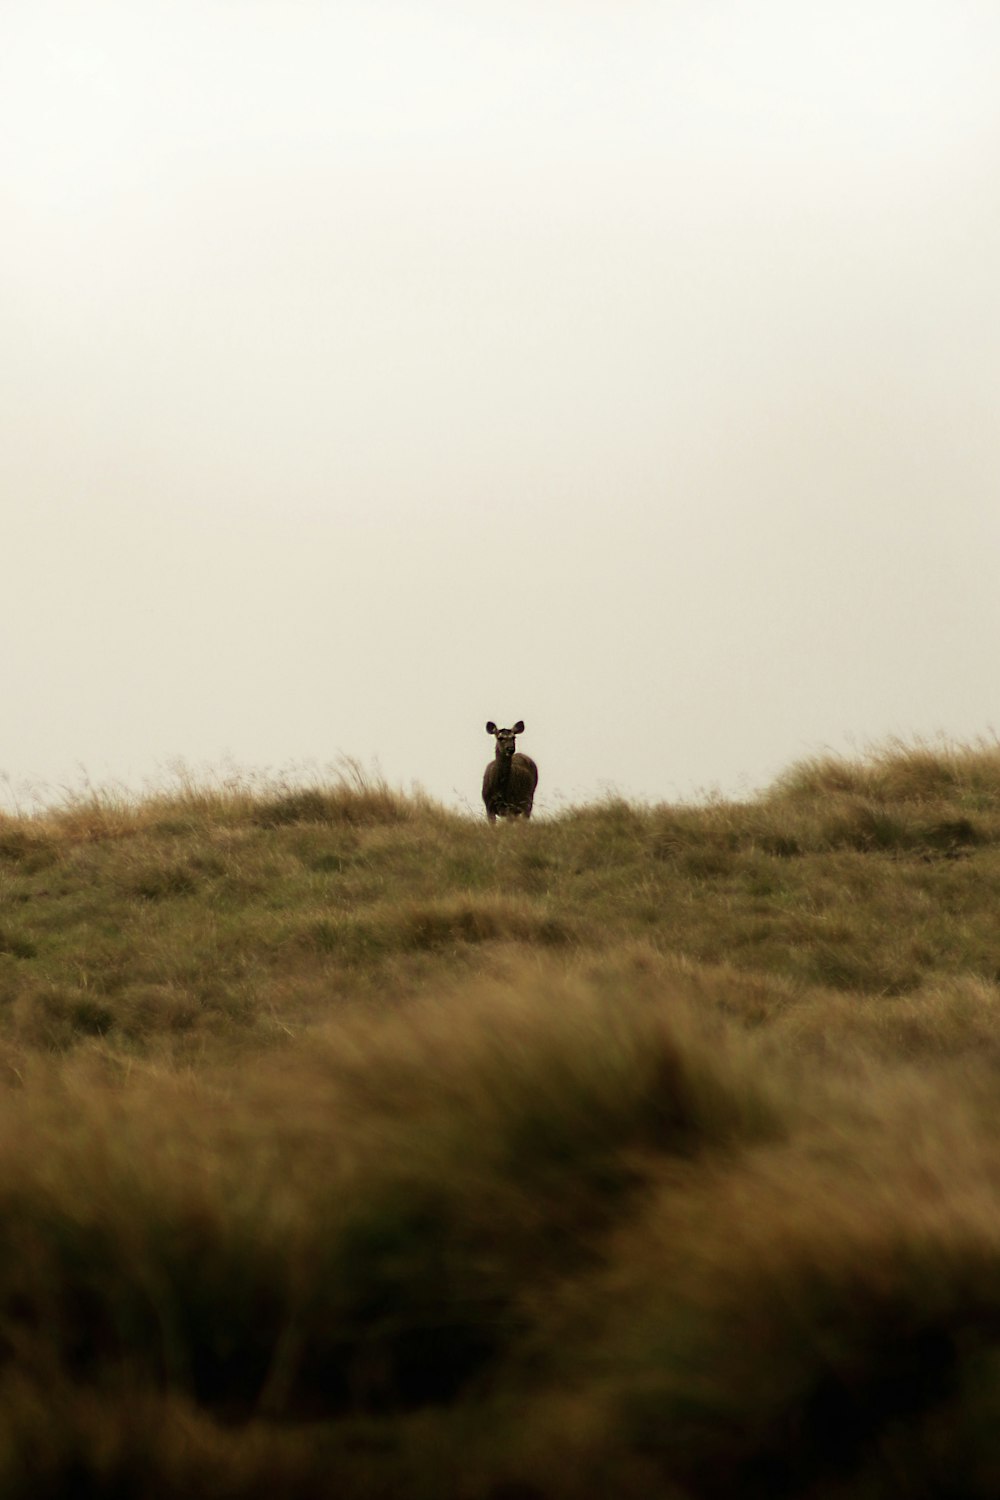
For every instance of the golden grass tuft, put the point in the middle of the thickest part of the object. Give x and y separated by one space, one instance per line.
903 771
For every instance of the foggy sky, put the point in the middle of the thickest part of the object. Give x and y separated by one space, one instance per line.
368 371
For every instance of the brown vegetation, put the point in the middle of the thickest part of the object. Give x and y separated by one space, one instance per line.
350 1147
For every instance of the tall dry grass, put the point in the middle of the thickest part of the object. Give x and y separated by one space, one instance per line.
350 1146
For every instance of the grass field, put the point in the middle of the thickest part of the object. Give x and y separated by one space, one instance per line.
350 1147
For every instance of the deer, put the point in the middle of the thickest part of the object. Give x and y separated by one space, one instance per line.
510 779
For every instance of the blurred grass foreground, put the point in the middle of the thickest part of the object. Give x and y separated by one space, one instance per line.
349 1147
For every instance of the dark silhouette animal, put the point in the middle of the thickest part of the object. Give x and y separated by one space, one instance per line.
510 778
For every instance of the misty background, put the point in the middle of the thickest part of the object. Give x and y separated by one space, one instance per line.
371 370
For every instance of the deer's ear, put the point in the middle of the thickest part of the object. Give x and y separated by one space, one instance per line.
519 727
491 728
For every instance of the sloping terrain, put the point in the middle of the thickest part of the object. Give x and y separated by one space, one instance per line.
349 1146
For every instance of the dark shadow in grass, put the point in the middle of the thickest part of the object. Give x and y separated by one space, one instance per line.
162 882
16 945
29 850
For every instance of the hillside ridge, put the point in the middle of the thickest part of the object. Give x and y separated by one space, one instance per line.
348 1142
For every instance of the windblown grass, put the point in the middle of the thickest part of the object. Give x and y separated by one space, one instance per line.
350 1146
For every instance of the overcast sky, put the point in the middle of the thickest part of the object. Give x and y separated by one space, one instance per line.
370 370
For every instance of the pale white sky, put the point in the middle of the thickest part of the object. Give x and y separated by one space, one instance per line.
369 370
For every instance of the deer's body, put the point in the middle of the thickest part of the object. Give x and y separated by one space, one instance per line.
510 778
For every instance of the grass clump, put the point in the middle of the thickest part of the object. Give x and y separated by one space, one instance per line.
239 1255
831 1345
16 946
902 771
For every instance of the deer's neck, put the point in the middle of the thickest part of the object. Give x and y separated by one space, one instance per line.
504 763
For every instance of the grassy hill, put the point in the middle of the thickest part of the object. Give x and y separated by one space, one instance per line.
350 1147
